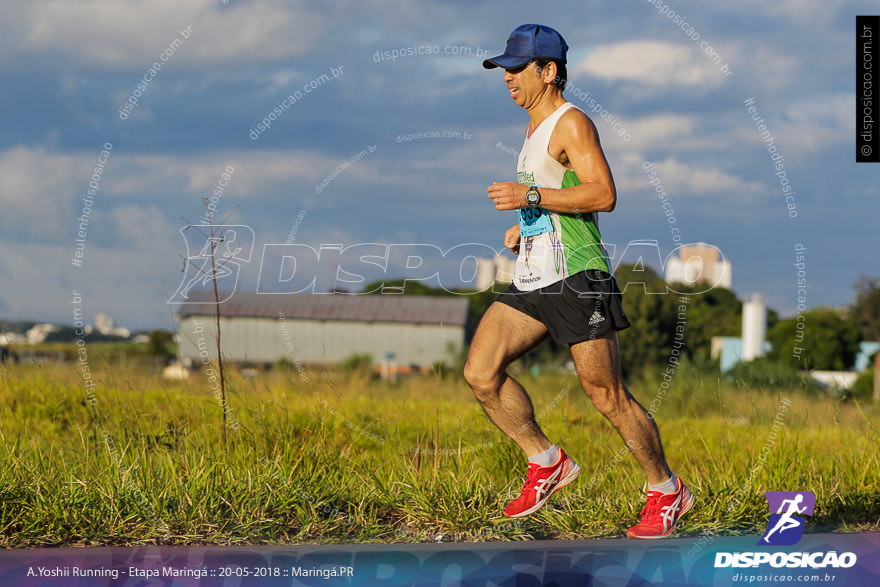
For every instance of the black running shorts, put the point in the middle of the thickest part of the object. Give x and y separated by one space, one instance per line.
581 307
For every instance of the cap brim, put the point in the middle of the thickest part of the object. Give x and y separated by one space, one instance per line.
506 62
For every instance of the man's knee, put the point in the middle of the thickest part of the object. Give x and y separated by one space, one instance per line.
484 380
607 398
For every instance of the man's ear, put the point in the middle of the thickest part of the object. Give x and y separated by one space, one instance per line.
549 73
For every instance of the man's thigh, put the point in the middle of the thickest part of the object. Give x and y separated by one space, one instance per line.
504 334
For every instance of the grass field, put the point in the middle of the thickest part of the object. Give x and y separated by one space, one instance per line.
342 457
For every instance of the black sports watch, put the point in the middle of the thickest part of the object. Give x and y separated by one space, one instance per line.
533 196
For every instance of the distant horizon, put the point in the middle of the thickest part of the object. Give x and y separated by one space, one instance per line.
136 329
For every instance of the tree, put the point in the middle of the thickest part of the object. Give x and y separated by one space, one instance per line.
717 312
652 315
160 343
819 339
865 310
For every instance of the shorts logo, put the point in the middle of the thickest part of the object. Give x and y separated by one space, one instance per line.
596 318
785 526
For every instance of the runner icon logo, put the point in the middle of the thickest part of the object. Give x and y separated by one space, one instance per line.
785 526
214 254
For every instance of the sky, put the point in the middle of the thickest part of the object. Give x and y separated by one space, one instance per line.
385 130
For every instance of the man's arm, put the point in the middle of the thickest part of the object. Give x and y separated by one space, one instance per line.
575 144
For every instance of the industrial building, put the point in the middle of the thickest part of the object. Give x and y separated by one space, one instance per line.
409 331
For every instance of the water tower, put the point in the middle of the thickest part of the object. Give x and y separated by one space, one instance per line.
754 327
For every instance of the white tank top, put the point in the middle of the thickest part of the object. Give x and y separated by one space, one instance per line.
565 244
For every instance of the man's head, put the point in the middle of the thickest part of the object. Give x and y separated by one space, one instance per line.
533 50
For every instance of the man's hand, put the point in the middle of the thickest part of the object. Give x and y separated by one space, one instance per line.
511 238
508 195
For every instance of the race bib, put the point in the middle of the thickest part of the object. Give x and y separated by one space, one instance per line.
534 220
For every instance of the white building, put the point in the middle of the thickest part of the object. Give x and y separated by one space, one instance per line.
699 263
107 326
39 332
413 331
104 323
497 270
754 328
12 338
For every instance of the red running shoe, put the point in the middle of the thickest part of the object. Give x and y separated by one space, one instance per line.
540 484
662 513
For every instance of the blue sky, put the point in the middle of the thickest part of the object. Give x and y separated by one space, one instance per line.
69 66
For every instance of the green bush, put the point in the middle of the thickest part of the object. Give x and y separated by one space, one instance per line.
444 370
356 362
829 341
766 373
863 388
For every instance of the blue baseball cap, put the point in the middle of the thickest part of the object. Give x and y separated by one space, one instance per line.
527 42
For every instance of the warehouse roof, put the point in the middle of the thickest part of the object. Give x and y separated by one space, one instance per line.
362 308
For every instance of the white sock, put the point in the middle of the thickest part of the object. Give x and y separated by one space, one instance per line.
668 486
546 458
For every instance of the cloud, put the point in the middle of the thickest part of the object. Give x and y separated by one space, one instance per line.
107 33
773 68
37 188
682 178
143 228
33 285
651 63
820 122
817 12
253 172
40 191
31 178
658 131
805 127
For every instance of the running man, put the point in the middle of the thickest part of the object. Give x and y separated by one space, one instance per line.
563 287
786 520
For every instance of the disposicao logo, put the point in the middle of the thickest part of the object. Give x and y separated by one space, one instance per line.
785 528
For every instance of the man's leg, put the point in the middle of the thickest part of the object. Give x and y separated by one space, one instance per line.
505 334
598 367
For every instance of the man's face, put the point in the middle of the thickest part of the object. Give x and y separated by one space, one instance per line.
524 84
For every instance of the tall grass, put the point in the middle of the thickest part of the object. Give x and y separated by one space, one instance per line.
346 458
